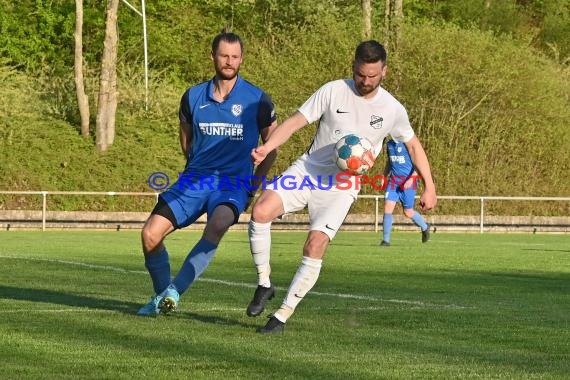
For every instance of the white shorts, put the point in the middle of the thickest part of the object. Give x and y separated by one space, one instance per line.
327 208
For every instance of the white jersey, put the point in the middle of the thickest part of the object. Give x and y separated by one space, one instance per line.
342 111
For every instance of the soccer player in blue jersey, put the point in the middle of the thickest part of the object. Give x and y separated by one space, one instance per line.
221 121
402 186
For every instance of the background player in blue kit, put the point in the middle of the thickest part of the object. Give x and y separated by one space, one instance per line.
402 186
221 121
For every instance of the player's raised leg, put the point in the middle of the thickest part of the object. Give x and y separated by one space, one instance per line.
408 199
419 221
260 244
303 281
325 222
268 207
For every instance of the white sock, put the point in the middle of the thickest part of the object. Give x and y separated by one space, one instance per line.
304 280
260 244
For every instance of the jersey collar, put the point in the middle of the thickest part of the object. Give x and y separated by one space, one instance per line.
230 95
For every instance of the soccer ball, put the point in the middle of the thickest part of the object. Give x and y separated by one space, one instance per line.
354 154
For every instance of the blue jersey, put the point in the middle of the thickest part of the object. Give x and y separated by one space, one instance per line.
401 168
400 161
223 134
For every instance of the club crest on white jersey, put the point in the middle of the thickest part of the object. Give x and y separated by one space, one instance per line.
376 121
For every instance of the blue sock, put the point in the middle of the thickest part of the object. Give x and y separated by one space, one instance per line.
194 265
387 226
419 221
158 266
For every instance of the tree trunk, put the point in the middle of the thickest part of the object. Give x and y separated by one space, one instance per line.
398 14
485 17
107 106
393 16
82 99
366 19
387 10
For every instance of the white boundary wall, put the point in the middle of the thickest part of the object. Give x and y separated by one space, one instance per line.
44 218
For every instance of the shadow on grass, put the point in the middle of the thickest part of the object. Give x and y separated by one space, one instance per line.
546 250
215 320
53 297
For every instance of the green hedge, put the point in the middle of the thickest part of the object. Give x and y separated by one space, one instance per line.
491 109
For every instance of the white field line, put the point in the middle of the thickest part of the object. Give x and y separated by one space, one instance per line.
515 244
42 311
244 285
91 310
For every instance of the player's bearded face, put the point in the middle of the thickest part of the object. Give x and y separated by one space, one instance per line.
227 60
367 77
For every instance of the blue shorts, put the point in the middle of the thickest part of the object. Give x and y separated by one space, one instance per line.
397 194
188 202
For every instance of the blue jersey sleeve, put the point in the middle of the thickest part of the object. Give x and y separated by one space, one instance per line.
184 113
266 113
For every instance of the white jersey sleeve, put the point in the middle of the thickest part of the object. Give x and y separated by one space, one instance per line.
318 103
402 130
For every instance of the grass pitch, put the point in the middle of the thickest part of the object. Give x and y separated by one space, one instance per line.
461 306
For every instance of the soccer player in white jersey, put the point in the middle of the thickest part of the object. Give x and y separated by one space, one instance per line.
359 106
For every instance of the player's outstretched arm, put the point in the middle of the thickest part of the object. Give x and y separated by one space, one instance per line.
386 171
279 136
263 168
185 136
387 166
428 199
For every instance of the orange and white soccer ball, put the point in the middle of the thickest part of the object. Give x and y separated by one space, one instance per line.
354 154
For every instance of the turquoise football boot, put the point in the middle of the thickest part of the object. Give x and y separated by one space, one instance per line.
151 309
169 300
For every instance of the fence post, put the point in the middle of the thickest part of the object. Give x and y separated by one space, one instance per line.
376 218
481 216
44 207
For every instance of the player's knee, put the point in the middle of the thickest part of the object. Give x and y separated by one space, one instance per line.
261 213
150 239
316 245
267 207
409 212
216 228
